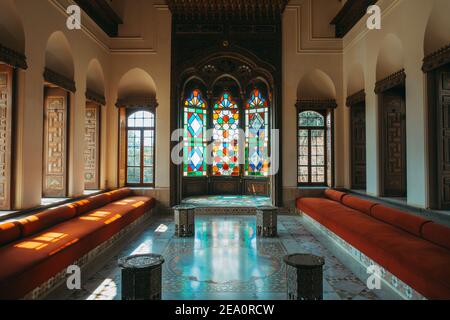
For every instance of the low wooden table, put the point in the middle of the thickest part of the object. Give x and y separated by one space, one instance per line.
304 274
266 221
184 220
141 277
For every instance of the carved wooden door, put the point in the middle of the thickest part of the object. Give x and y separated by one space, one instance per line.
92 146
393 143
55 143
358 146
443 135
6 78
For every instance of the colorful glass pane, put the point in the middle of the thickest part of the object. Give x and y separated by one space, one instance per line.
225 151
257 135
195 122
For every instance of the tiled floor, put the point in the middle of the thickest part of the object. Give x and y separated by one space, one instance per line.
225 260
228 201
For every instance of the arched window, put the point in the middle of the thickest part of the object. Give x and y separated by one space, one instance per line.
312 144
257 135
141 148
225 137
195 124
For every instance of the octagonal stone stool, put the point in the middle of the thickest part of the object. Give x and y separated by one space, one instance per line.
304 274
266 221
184 216
141 277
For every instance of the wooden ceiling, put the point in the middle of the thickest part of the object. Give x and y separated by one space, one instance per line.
102 13
227 9
349 15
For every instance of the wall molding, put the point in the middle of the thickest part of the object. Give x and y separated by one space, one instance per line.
436 59
316 104
13 58
59 80
95 97
394 80
356 98
137 101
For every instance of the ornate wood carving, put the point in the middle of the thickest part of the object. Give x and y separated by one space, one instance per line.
59 80
394 80
227 10
311 104
349 15
95 97
55 143
103 15
122 147
393 143
257 187
436 59
137 102
356 99
6 78
358 145
92 147
13 58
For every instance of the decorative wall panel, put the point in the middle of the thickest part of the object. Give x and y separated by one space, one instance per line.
92 146
6 74
55 144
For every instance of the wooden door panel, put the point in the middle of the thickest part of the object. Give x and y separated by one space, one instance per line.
6 93
393 144
55 144
358 145
92 146
443 137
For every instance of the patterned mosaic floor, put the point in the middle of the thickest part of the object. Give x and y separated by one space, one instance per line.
228 201
226 261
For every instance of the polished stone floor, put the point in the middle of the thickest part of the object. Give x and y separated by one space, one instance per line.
228 201
225 260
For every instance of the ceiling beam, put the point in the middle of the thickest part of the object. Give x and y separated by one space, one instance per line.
103 15
349 15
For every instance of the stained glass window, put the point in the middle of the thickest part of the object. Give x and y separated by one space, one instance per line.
312 148
225 151
257 135
140 148
195 123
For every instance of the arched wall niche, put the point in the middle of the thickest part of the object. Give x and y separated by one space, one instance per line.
316 85
11 29
95 78
136 83
437 34
390 57
58 55
355 80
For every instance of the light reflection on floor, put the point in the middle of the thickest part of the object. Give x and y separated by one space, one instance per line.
225 260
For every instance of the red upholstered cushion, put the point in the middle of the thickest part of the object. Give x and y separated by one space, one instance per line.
91 203
119 194
399 219
46 219
334 195
9 232
358 204
437 234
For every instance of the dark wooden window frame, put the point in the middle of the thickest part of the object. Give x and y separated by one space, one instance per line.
325 108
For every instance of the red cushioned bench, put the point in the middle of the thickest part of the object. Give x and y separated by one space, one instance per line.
414 249
35 249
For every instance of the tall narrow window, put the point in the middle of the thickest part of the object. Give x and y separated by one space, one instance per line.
92 146
257 136
226 137
312 149
195 123
141 149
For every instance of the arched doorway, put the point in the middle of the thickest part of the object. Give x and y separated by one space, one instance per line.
225 107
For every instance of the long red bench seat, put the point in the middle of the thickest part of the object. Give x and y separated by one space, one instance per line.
35 249
414 249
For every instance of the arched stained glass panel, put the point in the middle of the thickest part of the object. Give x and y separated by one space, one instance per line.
257 135
195 122
225 151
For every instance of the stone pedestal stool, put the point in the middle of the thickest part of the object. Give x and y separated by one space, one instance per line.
184 217
141 277
304 274
266 221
